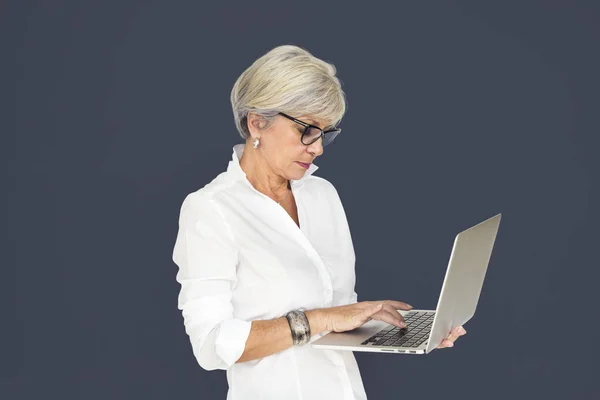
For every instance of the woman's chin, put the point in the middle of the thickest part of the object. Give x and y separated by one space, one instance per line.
297 175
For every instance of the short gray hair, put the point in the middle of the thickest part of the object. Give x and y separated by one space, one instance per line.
287 79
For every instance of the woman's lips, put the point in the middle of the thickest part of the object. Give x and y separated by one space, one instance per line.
306 166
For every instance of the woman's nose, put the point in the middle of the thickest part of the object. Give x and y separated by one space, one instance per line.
316 148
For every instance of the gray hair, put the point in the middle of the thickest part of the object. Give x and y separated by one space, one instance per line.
287 79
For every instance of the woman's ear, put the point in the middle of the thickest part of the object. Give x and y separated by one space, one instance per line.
255 124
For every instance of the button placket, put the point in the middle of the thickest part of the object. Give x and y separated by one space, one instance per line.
302 238
310 250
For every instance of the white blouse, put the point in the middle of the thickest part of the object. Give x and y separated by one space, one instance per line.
241 257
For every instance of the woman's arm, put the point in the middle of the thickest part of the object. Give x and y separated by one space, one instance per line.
274 335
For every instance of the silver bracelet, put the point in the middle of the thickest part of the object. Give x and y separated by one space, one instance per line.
299 327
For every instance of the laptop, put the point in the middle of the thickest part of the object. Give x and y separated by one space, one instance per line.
425 329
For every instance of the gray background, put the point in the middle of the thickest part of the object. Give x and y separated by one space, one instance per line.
113 111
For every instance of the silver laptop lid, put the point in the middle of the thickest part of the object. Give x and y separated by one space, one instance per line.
464 278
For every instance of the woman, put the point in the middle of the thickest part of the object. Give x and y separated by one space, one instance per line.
265 256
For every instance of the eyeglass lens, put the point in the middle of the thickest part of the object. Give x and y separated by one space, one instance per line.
313 133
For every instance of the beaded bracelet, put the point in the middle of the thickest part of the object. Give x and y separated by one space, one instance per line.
299 327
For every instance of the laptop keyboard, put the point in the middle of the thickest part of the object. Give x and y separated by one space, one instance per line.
418 326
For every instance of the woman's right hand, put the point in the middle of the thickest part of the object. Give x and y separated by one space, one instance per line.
351 316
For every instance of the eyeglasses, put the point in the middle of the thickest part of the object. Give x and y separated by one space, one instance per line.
312 133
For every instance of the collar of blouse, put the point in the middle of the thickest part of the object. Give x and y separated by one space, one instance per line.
238 172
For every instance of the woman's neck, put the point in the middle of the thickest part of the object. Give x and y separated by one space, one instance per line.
261 176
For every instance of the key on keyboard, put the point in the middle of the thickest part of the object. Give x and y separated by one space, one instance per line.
417 331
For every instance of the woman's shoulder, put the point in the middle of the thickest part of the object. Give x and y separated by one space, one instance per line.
201 202
206 194
321 185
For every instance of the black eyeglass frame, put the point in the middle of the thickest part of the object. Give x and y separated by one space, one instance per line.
334 131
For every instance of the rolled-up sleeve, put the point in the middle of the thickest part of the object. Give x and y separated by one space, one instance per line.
207 257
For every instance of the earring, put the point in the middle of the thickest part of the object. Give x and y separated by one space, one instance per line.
255 143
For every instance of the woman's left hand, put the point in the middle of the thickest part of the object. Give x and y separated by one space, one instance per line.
449 341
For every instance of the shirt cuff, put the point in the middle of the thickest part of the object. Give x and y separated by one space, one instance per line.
231 340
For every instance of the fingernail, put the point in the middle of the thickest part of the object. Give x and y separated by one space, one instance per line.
451 344
402 325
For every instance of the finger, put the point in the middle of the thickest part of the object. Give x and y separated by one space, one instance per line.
453 335
456 333
399 305
395 314
385 316
445 343
398 320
